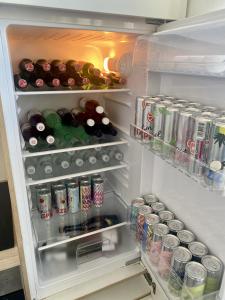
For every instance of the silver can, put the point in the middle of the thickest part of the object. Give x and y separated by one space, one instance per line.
150 221
159 120
148 119
150 199
186 237
98 192
73 197
166 216
195 104
181 257
85 194
135 205
44 200
159 231
139 117
61 200
157 207
182 101
214 267
169 243
194 281
175 226
198 250
142 212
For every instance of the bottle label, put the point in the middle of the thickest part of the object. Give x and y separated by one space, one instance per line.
39 82
56 82
22 83
29 67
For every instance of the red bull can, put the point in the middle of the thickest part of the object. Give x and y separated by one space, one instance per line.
85 194
60 196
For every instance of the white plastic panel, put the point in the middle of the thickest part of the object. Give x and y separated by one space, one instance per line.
199 7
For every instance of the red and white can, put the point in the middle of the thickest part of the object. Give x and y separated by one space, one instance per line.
60 197
142 212
85 194
98 191
44 200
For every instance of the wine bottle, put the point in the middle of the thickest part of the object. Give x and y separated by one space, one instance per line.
108 128
36 119
29 134
93 223
20 82
73 66
67 117
33 79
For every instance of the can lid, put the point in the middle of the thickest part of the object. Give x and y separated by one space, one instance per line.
166 215
151 219
204 119
212 263
150 198
182 101
210 114
175 225
155 98
72 184
215 165
161 229
170 241
160 105
138 202
166 102
197 104
144 209
185 236
178 105
170 98
172 108
98 180
193 109
195 271
182 254
198 249
158 206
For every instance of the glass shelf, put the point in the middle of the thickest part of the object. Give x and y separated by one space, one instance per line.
183 162
50 233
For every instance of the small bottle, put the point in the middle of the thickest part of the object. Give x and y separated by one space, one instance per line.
20 82
45 166
36 119
67 117
91 106
50 80
73 66
107 127
89 157
26 65
77 161
57 67
29 134
116 154
48 135
66 80
52 119
104 157
31 168
42 66
33 79
62 162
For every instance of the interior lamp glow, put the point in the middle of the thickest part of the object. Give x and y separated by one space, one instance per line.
106 64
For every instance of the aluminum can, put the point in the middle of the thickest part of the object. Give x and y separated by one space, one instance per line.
212 115
150 221
150 199
159 120
54 186
165 216
98 192
142 212
159 231
214 268
148 119
194 281
85 195
186 237
44 200
156 99
140 104
73 197
157 207
175 226
198 250
182 101
170 98
194 104
161 96
61 200
209 108
169 243
180 258
170 132
135 205
214 174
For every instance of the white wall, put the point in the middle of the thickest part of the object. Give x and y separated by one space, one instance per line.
199 7
2 166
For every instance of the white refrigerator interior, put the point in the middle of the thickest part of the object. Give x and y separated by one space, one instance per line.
182 61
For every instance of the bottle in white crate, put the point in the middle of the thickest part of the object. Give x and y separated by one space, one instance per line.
31 167
45 166
116 154
103 157
77 161
62 163
89 157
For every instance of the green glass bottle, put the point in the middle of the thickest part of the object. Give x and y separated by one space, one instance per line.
52 119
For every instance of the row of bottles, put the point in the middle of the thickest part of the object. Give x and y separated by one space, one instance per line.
71 162
64 127
58 74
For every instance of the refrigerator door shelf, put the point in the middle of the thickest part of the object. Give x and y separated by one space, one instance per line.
51 233
185 163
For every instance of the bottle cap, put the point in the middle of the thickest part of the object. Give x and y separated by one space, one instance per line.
105 158
99 109
22 83
92 160
40 126
105 121
90 122
33 141
48 170
71 81
31 170
39 82
79 162
55 82
50 139
65 164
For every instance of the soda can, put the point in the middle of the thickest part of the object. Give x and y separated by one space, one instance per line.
165 216
54 186
157 207
159 231
73 197
170 132
98 191
214 268
194 281
212 115
214 175
140 104
175 226
182 101
148 119
198 250
156 99
44 200
169 243
85 195
150 199
150 221
142 212
135 205
180 258
209 109
61 200
170 98
161 96
94 176
159 120
186 237
199 147
194 104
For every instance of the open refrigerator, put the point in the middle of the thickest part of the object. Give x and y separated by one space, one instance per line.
182 59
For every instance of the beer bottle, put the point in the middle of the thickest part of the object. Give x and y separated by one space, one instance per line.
20 82
42 66
50 80
67 117
91 106
107 127
73 66
26 65
48 135
29 134
57 67
66 80
52 119
36 119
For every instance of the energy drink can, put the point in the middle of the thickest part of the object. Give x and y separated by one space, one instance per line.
159 231
182 101
61 200
198 250
159 120
150 199
194 281
157 207
165 216
209 109
186 237
175 226
181 257
150 221
73 197
85 194
44 200
140 104
148 119
135 205
98 192
142 212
